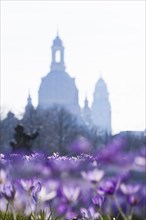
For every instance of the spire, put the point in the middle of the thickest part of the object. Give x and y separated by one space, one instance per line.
86 103
86 112
29 102
29 106
57 42
57 54
29 99
57 32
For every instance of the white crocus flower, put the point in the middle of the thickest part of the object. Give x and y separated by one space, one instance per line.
71 193
26 184
44 195
93 175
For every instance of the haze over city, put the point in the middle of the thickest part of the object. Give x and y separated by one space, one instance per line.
100 38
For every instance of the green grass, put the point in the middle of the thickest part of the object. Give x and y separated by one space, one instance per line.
9 216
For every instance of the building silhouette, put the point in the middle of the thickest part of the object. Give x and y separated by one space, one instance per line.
29 106
86 113
59 88
101 109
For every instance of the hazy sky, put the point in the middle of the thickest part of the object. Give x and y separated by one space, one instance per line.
104 38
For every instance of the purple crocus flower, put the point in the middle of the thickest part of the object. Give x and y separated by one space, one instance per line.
9 192
90 213
130 192
132 200
98 200
110 186
129 189
35 191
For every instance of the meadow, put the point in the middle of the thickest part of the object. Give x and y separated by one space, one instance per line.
107 185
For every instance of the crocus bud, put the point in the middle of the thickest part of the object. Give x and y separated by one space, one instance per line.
9 192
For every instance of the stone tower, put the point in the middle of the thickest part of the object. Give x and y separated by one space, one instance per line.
29 117
86 113
57 87
101 109
29 105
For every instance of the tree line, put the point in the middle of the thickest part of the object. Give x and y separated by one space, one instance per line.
59 131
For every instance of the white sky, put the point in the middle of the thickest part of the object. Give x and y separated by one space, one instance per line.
100 37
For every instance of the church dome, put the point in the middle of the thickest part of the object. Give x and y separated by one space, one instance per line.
100 89
100 85
57 87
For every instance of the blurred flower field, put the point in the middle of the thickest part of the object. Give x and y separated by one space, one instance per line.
108 185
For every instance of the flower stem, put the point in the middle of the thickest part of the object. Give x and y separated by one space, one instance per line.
6 211
13 211
101 217
119 208
131 213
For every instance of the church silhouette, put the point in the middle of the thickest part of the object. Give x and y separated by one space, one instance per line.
59 88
